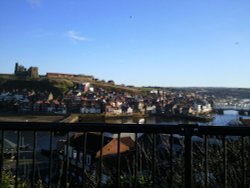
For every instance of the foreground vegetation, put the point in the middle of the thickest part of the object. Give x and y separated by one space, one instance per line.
9 181
164 177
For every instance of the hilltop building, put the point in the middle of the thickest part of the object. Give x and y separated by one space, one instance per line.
59 75
69 76
21 71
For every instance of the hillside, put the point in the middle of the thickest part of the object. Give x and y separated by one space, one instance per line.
108 86
58 86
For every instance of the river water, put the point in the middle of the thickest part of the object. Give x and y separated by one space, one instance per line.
229 117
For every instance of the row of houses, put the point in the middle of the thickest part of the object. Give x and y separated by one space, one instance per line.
86 99
30 101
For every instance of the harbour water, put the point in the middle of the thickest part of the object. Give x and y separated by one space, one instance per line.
229 117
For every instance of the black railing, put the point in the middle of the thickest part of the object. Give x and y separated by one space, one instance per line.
228 147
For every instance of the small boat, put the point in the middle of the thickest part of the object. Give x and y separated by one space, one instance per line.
141 121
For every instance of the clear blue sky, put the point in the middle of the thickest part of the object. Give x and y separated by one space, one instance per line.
138 42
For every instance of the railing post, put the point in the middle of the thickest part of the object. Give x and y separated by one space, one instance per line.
188 133
2 157
33 175
225 160
100 162
51 134
171 160
136 161
118 182
206 183
243 166
17 158
67 174
154 161
84 179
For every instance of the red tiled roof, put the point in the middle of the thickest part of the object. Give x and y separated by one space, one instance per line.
128 142
111 148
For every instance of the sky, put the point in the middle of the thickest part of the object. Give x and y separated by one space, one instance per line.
170 43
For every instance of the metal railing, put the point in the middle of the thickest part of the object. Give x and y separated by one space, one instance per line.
187 133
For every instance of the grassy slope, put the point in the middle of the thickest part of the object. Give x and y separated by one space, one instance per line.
109 86
58 86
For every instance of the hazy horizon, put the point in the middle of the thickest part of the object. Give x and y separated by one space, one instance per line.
163 43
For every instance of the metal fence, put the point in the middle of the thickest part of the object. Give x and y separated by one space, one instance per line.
185 132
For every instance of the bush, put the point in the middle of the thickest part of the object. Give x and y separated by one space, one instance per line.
9 180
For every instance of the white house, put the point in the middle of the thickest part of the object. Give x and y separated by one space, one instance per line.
130 110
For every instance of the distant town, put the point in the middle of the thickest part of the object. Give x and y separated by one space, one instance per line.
75 157
86 97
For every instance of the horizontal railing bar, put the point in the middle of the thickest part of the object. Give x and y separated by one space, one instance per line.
81 127
129 128
2 157
222 130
